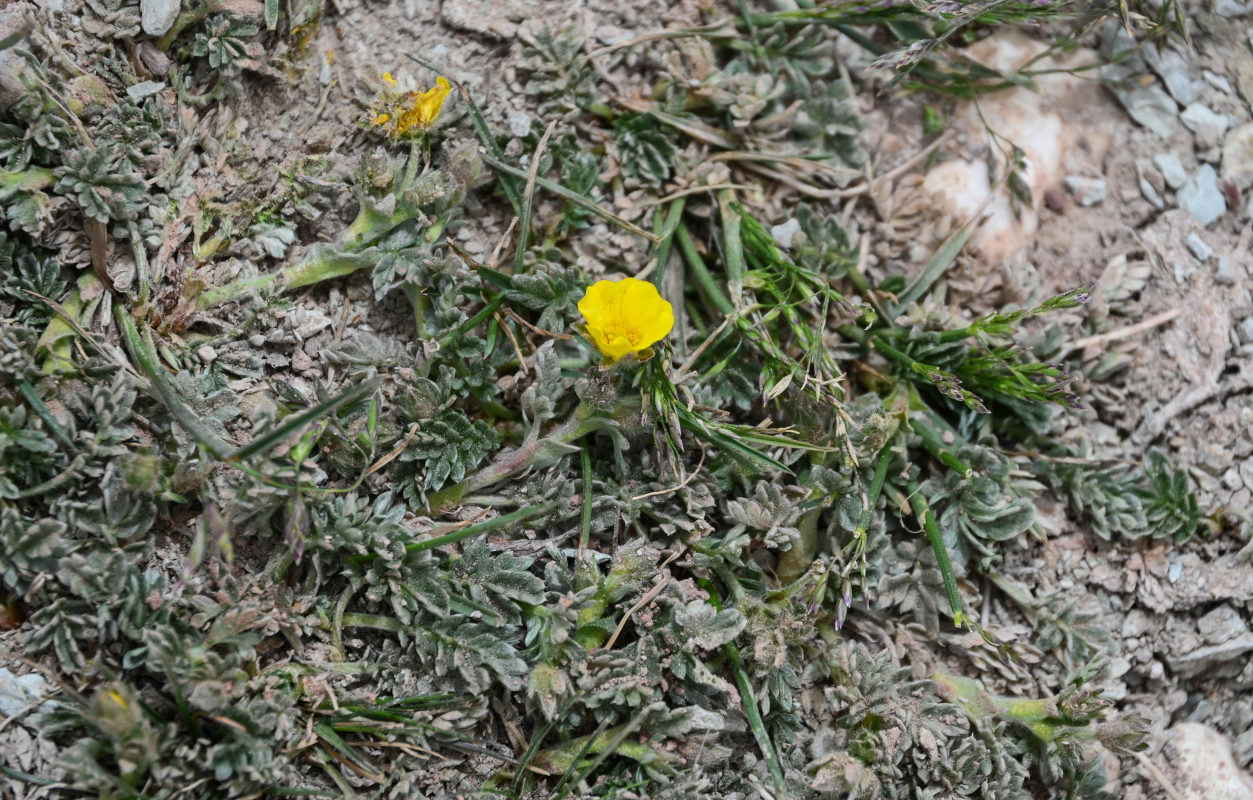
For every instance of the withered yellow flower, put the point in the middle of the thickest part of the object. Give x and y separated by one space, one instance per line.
426 106
412 110
625 316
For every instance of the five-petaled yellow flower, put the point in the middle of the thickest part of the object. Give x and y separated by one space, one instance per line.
625 316
411 110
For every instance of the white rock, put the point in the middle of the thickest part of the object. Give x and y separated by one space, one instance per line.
157 16
1238 156
1172 67
144 89
783 234
207 354
1198 247
1217 81
1213 661
1221 624
1205 768
519 123
1086 191
18 692
1151 107
1227 272
1233 8
1201 196
1208 126
1171 168
1245 331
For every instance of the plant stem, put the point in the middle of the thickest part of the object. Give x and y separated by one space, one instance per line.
321 267
534 452
470 531
918 502
733 241
876 489
934 444
704 280
749 699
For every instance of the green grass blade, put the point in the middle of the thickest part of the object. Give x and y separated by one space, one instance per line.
295 423
922 509
571 197
751 710
37 405
470 531
145 354
938 264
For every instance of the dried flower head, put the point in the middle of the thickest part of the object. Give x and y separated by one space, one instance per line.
412 111
626 316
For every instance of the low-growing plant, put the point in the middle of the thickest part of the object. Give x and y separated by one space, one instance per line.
605 536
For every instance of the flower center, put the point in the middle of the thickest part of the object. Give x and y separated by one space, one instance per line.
619 330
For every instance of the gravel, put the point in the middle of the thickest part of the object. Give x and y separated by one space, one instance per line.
1201 196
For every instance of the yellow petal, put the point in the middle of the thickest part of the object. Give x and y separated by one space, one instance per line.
431 101
600 304
655 329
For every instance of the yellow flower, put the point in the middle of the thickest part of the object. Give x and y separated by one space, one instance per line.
410 110
625 316
426 106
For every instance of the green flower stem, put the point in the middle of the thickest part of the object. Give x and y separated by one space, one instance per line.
876 489
934 444
749 699
1041 716
36 404
375 621
666 229
623 574
733 242
485 312
566 758
321 267
55 480
535 452
957 335
796 561
918 502
570 197
704 280
586 533
470 531
419 303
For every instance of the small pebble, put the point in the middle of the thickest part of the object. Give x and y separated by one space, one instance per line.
1238 156
207 354
1208 126
1226 274
144 89
1217 81
1245 330
1231 479
1151 194
1202 197
1198 248
519 123
1086 191
1055 201
256 340
1172 169
783 234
